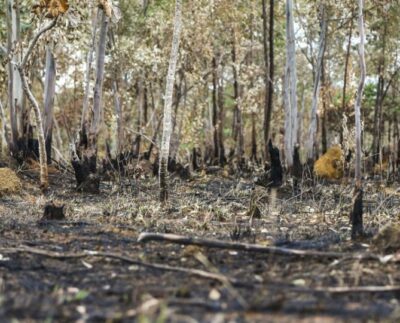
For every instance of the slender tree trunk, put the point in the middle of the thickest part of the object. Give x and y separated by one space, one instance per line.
89 61
49 92
15 91
269 70
376 142
44 182
346 68
357 212
312 136
4 131
85 161
238 126
221 117
167 120
290 100
118 114
215 108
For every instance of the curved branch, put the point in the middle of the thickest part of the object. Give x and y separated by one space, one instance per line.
35 40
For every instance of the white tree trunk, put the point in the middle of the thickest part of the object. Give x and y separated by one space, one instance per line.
356 216
167 121
44 182
312 135
89 61
15 83
290 84
357 106
98 87
49 92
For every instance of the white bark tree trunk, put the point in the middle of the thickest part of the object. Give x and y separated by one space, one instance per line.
98 87
49 92
290 84
167 121
356 215
15 83
44 182
357 107
89 61
312 135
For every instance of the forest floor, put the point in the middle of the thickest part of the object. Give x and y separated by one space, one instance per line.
90 267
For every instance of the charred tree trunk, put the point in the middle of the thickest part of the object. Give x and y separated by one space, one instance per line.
269 69
356 215
85 161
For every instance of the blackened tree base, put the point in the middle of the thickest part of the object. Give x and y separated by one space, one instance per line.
356 216
86 176
53 212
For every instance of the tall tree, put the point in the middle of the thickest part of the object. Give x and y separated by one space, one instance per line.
85 159
312 137
49 92
269 69
44 181
15 91
169 88
357 212
290 85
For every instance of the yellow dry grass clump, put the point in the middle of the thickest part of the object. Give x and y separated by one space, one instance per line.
9 182
330 164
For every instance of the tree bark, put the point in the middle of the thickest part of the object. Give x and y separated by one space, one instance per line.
269 69
346 67
89 61
377 132
15 91
167 120
312 136
85 161
44 181
49 92
238 122
357 212
290 100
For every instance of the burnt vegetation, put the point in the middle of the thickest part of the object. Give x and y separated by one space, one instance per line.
240 162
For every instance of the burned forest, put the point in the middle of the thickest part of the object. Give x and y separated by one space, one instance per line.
199 161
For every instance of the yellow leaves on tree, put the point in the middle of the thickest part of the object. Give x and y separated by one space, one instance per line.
50 8
330 165
106 6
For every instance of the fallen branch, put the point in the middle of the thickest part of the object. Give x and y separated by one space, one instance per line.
88 253
212 243
201 273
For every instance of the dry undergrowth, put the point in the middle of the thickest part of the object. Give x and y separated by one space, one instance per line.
9 182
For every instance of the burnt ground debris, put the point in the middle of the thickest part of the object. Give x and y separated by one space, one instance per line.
35 287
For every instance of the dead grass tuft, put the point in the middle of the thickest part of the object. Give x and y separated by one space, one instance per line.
9 182
388 238
330 164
